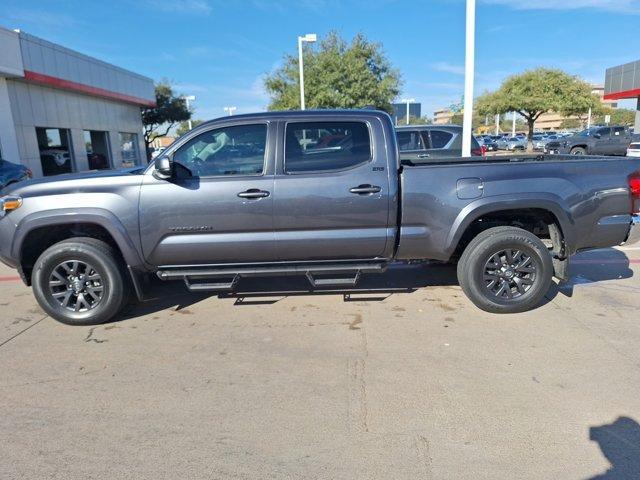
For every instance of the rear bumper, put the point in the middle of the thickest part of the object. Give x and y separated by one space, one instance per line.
634 230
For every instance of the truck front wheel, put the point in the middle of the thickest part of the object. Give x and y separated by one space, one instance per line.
80 281
578 151
505 270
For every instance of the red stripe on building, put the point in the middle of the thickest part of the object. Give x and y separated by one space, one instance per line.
622 95
56 82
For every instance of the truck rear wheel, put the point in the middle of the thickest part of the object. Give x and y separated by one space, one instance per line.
80 281
505 270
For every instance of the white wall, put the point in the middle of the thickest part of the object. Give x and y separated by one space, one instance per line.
37 106
8 139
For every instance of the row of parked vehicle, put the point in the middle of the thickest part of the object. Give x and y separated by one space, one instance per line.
493 143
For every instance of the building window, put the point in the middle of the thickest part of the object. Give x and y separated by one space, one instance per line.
97 146
129 149
55 150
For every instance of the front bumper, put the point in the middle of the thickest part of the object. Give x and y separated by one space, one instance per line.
634 230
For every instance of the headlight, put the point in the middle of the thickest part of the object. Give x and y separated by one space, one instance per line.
9 203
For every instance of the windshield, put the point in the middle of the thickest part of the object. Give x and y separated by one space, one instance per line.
588 132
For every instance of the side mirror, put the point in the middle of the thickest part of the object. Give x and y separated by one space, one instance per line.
163 167
597 135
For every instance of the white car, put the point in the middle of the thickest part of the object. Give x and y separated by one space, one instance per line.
634 150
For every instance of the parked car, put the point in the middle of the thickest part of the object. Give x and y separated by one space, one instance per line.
157 151
539 141
240 196
612 140
633 150
517 143
489 144
432 141
11 173
503 143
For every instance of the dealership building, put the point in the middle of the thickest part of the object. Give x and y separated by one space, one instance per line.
62 111
623 82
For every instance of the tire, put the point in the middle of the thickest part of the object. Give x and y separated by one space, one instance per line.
578 151
513 290
80 281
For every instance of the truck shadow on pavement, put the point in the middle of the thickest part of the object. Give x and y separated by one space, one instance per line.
620 444
588 267
596 266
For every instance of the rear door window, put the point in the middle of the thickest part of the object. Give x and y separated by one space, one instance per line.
409 140
440 138
325 146
619 131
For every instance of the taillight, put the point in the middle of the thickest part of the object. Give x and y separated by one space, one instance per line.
634 188
479 152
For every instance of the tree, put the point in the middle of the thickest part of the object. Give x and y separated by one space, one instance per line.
571 123
619 116
169 110
413 120
535 92
184 127
336 75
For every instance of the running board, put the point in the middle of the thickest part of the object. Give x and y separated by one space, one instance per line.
318 275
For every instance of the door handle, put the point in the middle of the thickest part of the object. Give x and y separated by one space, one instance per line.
365 189
424 155
254 193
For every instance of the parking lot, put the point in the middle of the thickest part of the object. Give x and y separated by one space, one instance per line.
407 380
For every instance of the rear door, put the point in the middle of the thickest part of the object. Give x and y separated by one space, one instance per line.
604 145
332 190
443 143
413 144
621 138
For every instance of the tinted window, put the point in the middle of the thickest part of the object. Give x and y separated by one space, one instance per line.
325 146
605 132
440 138
409 140
618 131
225 151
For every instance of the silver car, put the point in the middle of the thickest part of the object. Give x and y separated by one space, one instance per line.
517 143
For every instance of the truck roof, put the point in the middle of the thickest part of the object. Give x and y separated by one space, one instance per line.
286 114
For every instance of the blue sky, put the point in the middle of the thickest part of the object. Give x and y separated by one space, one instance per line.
219 50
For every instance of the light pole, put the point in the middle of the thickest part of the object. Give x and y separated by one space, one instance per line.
310 38
187 99
513 127
230 110
469 72
408 101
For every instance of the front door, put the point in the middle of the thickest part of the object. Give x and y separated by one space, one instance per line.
218 207
332 192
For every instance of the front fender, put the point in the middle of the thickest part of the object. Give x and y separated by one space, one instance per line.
487 205
97 216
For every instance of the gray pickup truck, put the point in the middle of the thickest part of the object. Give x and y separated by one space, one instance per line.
612 140
322 194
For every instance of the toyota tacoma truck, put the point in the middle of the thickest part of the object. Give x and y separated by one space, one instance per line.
593 141
321 194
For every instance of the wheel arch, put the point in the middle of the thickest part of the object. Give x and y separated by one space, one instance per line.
39 230
517 211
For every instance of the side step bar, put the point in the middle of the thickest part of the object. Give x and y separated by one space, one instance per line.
226 278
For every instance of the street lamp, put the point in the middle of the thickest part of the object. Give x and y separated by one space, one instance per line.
230 110
469 67
187 99
408 101
310 38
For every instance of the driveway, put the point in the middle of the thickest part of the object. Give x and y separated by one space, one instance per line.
403 380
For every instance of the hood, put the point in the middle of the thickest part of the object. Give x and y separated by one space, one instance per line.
90 176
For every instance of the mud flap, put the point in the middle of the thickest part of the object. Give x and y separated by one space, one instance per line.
561 269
